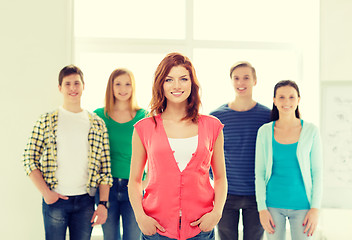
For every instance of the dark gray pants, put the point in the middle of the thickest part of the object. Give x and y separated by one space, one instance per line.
228 225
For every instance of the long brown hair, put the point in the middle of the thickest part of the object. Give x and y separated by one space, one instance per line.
283 83
159 102
109 95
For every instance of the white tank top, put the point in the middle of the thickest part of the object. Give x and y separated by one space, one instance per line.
183 148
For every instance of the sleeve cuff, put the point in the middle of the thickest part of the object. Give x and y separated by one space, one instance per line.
261 205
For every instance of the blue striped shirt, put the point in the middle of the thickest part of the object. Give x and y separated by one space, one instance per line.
240 133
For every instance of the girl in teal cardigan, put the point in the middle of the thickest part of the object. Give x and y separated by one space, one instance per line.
288 168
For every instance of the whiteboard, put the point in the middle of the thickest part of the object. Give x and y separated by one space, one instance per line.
337 143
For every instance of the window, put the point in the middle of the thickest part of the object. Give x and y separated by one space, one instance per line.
279 37
130 19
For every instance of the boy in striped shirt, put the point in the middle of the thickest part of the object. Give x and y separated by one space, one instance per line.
242 119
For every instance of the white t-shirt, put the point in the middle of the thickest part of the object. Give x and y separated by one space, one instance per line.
72 152
183 149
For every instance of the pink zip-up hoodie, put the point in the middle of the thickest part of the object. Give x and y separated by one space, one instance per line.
170 191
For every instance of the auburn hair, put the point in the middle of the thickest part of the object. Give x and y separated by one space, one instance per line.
110 99
158 103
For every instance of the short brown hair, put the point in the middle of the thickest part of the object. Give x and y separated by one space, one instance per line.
243 64
69 70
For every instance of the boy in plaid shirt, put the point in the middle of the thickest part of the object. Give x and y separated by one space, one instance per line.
67 158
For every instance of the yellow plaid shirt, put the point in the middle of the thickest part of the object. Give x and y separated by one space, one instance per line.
41 151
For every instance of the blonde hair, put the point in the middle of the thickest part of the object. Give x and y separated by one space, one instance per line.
109 95
243 64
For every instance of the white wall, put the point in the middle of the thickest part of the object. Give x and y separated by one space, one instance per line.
336 39
336 65
35 45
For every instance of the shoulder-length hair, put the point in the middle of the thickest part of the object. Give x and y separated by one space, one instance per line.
110 99
158 103
283 83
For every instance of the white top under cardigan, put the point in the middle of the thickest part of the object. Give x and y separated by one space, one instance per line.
309 154
183 149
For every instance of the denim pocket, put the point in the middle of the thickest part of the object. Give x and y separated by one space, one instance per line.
150 237
52 204
205 236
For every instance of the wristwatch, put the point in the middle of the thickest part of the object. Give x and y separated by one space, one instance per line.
105 204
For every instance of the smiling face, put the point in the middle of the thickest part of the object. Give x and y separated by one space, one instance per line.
122 87
286 100
71 88
177 85
243 81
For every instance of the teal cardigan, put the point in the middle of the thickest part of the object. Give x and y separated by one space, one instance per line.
309 154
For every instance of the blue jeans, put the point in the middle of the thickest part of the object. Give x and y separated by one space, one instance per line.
295 218
74 214
120 206
228 224
201 236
